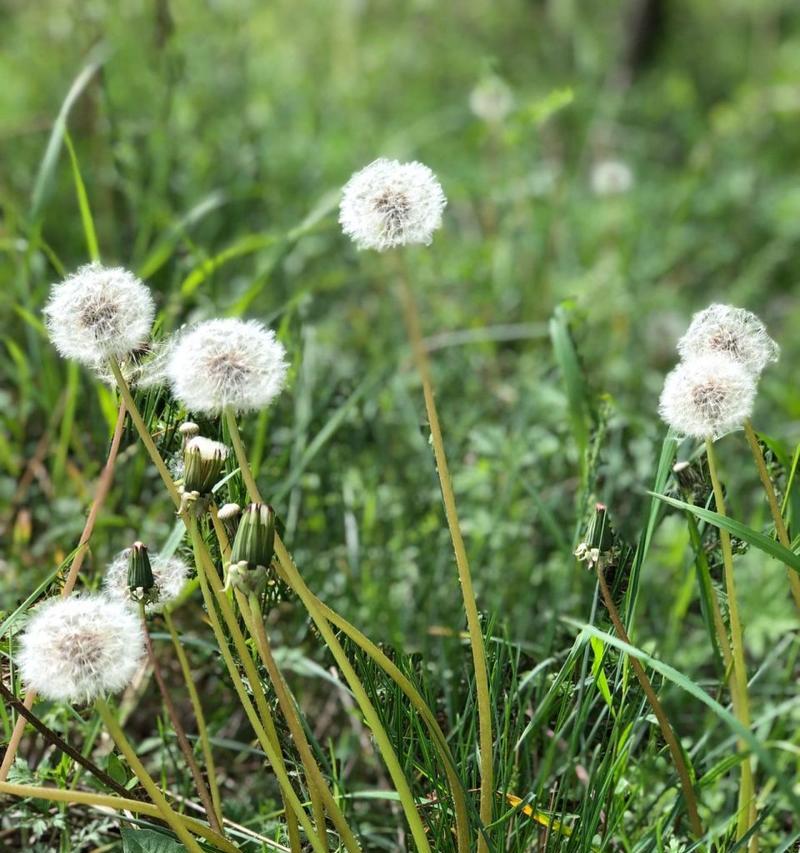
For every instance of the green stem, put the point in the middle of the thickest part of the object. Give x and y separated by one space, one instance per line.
772 500
462 562
197 707
144 777
741 701
103 801
296 582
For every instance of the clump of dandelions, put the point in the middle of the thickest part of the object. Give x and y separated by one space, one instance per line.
733 332
99 313
79 648
707 397
169 577
389 204
227 363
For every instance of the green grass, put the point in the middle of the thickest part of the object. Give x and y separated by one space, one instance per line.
202 145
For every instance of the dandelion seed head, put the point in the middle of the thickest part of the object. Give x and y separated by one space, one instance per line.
730 331
611 177
229 362
169 577
390 204
491 100
207 448
78 648
707 397
98 313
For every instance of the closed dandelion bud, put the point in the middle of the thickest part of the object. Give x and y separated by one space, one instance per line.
168 574
226 363
188 430
140 573
229 512
79 648
707 397
732 332
255 539
99 313
389 204
203 461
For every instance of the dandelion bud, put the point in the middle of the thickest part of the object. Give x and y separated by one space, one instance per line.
203 461
228 512
188 430
99 313
168 578
227 363
707 397
78 648
732 332
255 537
140 573
390 204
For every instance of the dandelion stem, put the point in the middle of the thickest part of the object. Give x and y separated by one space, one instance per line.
197 707
144 777
741 702
413 327
101 492
296 582
103 801
180 733
772 500
663 721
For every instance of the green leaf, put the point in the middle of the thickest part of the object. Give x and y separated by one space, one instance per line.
149 841
600 679
90 234
753 537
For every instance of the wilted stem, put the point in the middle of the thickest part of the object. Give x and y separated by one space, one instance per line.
663 721
462 561
772 500
144 777
741 701
180 733
103 485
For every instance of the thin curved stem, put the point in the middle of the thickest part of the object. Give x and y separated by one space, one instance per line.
101 492
296 582
486 739
197 707
103 801
741 701
772 500
663 721
180 732
144 777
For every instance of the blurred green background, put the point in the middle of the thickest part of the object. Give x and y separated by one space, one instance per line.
228 127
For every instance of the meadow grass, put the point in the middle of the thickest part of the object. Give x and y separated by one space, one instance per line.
203 148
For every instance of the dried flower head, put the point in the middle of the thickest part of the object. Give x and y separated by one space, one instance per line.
169 577
76 649
491 100
732 332
707 397
611 177
221 363
390 204
99 313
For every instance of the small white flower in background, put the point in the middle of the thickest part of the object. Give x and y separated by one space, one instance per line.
99 313
707 397
169 576
79 648
221 363
733 332
611 177
491 100
390 204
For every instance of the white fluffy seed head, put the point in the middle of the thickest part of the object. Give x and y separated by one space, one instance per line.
611 177
207 448
733 332
221 363
78 648
491 100
390 204
99 313
169 576
707 397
